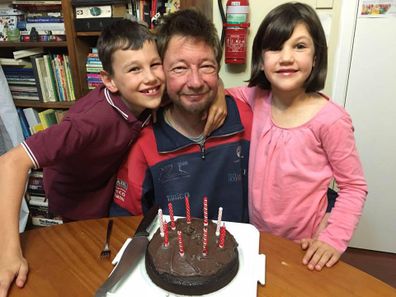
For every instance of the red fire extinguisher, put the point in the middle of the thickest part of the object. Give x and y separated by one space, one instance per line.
236 30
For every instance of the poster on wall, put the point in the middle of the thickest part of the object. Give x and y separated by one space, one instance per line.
377 8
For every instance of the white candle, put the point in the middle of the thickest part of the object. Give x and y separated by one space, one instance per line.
220 214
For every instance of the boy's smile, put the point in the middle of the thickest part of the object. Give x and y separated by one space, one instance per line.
138 77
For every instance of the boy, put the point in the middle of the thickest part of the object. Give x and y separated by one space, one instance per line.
81 155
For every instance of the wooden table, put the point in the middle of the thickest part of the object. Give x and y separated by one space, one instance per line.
64 261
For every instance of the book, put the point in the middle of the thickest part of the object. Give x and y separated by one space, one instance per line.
46 26
100 11
25 97
43 221
32 118
15 62
43 32
93 24
69 78
24 123
47 118
38 77
27 52
51 78
44 19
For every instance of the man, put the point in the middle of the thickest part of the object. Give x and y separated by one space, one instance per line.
173 159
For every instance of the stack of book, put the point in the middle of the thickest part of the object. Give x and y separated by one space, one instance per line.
20 78
38 203
93 67
43 20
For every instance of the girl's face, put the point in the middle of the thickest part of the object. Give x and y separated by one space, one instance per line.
290 66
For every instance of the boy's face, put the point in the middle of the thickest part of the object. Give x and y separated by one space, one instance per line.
191 74
138 77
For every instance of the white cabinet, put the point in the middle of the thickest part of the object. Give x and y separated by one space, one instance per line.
370 98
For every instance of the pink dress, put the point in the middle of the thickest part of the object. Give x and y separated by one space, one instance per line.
290 171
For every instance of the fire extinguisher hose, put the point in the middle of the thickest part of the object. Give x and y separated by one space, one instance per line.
223 18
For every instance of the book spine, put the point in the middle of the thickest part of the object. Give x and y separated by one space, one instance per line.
51 78
104 11
56 66
36 77
24 123
43 78
44 20
46 26
69 78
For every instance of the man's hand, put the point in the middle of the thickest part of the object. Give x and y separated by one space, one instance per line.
318 254
12 267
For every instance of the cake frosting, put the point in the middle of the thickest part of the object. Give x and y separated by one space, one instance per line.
193 273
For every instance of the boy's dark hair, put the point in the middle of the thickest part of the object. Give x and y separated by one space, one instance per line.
122 34
276 28
188 23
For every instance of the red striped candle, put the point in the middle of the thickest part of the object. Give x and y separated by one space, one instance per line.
172 217
222 236
188 211
181 245
166 235
205 210
205 241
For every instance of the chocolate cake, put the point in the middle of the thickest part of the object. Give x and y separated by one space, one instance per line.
193 273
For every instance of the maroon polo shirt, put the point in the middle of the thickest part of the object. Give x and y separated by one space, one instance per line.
81 155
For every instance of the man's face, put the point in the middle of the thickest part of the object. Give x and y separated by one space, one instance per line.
191 73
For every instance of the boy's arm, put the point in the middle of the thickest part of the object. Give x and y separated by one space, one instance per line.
14 168
217 111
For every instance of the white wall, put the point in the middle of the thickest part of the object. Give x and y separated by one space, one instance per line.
235 75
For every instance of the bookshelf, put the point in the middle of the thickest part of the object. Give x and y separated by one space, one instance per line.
77 46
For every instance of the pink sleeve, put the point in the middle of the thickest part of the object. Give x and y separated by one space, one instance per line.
339 143
242 93
128 191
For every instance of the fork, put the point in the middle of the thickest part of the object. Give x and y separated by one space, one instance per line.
105 253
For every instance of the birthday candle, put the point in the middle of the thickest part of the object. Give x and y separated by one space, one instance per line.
222 236
181 245
205 241
172 218
166 235
219 215
188 214
205 210
160 222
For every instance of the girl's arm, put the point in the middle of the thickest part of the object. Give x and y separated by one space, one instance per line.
339 144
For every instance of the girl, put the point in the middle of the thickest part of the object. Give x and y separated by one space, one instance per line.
300 139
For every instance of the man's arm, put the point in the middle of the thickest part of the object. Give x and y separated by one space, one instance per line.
14 168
